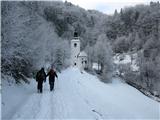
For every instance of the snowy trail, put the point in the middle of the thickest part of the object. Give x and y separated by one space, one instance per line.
83 96
35 107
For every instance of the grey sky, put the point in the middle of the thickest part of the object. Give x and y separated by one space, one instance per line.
107 6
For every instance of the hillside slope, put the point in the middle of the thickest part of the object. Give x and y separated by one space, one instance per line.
80 96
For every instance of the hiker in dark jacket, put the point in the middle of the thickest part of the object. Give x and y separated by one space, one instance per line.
40 78
52 74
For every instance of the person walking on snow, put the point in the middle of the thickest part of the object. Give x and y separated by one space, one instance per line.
40 78
52 74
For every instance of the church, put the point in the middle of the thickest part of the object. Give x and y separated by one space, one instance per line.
78 57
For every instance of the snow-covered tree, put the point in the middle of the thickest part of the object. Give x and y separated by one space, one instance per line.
103 56
121 45
28 40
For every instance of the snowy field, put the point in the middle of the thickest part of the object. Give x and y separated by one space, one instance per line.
78 96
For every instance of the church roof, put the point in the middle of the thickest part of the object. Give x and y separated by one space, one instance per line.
82 54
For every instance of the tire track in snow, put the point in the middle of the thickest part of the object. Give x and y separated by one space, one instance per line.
61 103
98 114
66 100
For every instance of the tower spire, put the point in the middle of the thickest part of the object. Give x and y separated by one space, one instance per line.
75 33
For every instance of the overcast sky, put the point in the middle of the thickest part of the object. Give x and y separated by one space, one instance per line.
107 6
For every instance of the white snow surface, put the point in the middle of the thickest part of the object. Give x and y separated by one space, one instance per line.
126 59
77 96
120 59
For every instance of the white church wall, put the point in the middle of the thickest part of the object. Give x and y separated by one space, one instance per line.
75 50
81 62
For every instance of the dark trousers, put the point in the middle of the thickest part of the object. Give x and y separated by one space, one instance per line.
51 86
40 87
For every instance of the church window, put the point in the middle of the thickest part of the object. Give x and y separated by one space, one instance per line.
75 64
75 44
85 62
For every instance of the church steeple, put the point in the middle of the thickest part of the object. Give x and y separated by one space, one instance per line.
75 49
78 58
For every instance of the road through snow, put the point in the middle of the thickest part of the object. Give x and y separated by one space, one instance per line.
81 96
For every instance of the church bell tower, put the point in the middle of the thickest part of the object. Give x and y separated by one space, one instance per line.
75 49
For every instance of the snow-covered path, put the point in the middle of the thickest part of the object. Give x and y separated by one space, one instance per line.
81 96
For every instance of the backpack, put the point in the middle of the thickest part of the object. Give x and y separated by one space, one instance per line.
40 76
37 76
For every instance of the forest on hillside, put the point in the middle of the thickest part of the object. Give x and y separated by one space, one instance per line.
34 33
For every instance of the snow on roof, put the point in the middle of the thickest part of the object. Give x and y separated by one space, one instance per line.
82 54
